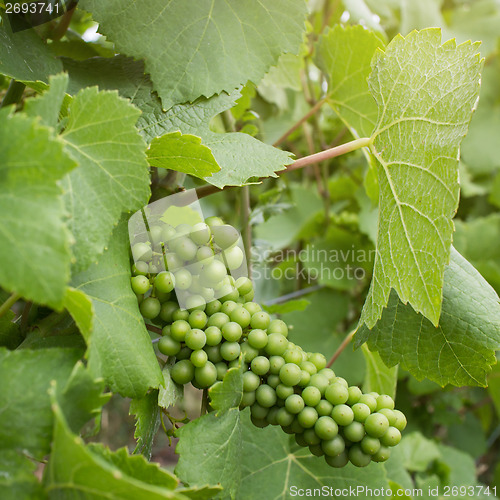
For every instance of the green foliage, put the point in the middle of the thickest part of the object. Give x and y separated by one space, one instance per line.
147 416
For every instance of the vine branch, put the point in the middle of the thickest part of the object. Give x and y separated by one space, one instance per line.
341 348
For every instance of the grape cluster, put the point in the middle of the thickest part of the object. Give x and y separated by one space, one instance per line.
282 384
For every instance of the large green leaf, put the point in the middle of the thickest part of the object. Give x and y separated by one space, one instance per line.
240 156
23 56
34 241
147 422
25 414
113 173
17 478
93 472
120 348
183 153
379 378
461 350
425 92
223 45
344 55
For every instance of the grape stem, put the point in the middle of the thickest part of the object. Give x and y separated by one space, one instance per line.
204 402
341 347
327 154
154 329
5 307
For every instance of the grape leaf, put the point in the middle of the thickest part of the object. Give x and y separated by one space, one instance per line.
182 153
113 173
227 394
147 422
30 202
17 479
379 378
26 376
425 92
24 56
297 466
78 470
494 387
120 348
461 350
416 452
169 392
287 307
224 45
81 309
239 155
344 55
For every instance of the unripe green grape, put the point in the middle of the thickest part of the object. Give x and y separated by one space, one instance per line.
273 381
174 262
278 326
311 396
283 391
336 393
310 437
316 450
168 346
201 233
228 307
180 314
305 378
241 316
168 232
204 255
376 425
164 282
140 284
308 367
182 372
235 363
326 428
382 455
213 307
385 401
374 394
259 411
324 408
339 461
213 336
299 439
276 344
195 339
213 353
265 396
400 423
294 404
260 320
206 375
195 302
290 374
341 381
257 339
150 307
163 296
166 330
244 285
354 432
249 297
225 235
370 445
213 272
342 414
275 364
221 368
232 331
141 251
293 356
230 295
184 353
318 360
328 373
218 319
156 234
320 382
307 417
354 395
333 447
357 457
271 416
247 399
185 248
390 414
152 268
199 358
249 352
252 307
214 221
140 268
369 401
250 381
183 229
179 329
392 437
295 427
183 279
197 319
230 350
232 258
261 423
260 365
284 417
361 412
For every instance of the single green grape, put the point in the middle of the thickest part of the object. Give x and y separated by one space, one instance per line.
213 353
338 461
324 408
197 319
293 356
391 437
290 374
249 352
310 437
250 381
218 319
257 339
382 455
247 399
354 395
140 268
309 367
213 307
275 364
333 447
182 372
361 412
140 284
233 259
276 344
150 307
307 417
265 396
369 401
278 326
336 393
206 375
182 314
283 391
142 251
195 302
316 450
326 428
389 414
318 360
370 445
213 272
311 396
195 339
273 381
259 411
385 401
183 279
241 316
260 365
230 350
252 308
201 233
354 432
400 423
299 439
168 346
320 382
184 353
199 358
225 235
357 457
376 425
164 282
284 417
342 414
328 373
305 378
232 331
179 330
221 368
228 307
213 336
260 320
294 404
244 285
